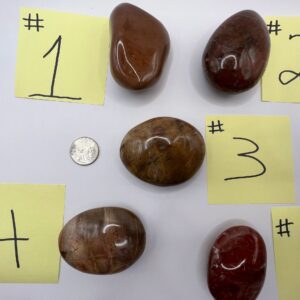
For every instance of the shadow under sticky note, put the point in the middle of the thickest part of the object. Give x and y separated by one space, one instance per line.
281 80
31 218
286 239
249 160
62 56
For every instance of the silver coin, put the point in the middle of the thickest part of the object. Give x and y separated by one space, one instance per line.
84 151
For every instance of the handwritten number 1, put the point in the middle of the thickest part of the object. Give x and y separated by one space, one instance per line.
57 44
248 155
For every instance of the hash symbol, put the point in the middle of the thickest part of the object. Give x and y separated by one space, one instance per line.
284 226
274 27
15 239
216 127
36 22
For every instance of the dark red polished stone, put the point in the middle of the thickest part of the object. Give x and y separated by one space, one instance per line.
103 240
139 47
237 264
163 151
237 53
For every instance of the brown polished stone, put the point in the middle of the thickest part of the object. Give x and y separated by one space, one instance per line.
163 151
139 47
237 53
237 264
102 240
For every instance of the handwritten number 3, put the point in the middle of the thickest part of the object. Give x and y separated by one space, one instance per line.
248 155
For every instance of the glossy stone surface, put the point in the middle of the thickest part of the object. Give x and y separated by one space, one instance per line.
237 53
139 47
102 240
237 264
163 151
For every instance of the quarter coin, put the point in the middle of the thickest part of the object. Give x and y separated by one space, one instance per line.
84 151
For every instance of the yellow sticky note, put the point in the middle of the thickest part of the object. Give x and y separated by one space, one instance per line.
62 56
281 80
31 217
286 239
249 159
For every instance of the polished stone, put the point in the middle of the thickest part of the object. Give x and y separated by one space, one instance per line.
139 47
102 240
237 53
237 264
163 151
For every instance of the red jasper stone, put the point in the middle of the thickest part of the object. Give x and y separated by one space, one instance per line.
237 53
237 264
140 46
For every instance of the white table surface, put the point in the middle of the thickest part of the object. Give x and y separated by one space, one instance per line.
36 135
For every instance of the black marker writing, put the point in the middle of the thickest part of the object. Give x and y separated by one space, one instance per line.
274 27
15 239
293 36
33 23
247 155
292 74
284 227
57 44
216 127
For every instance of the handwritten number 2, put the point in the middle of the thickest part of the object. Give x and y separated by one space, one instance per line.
248 155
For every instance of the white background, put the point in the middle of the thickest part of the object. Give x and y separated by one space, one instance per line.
35 137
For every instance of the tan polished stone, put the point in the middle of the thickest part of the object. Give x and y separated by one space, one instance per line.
163 151
103 240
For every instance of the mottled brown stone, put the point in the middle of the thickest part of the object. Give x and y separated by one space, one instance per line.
163 151
139 47
237 53
102 240
237 264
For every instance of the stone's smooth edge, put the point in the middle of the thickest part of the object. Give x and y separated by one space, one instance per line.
148 122
211 40
108 212
215 265
116 71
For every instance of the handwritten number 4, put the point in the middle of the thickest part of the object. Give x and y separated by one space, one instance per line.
248 155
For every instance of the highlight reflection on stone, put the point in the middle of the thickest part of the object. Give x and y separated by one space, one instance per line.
139 47
163 151
237 264
102 240
237 53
